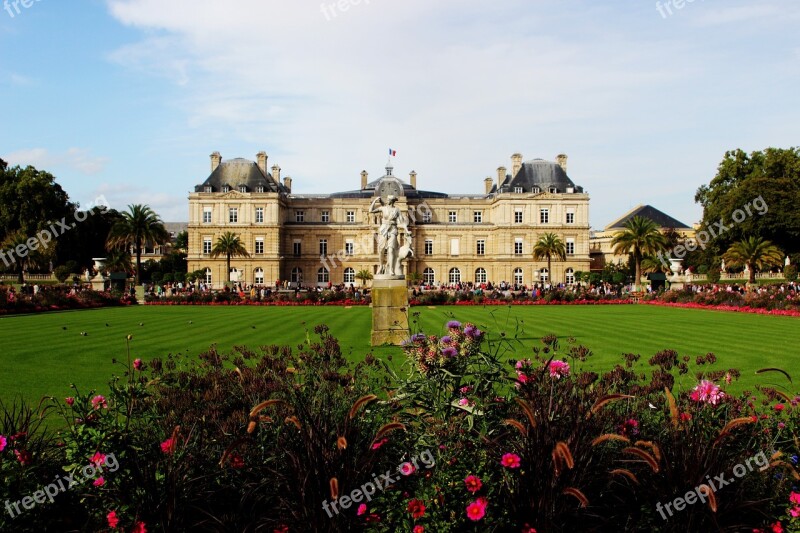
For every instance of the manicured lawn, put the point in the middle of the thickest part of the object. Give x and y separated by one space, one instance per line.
43 354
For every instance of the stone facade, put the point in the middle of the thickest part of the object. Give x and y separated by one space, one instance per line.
316 239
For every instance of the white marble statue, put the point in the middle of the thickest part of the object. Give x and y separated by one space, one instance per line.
390 252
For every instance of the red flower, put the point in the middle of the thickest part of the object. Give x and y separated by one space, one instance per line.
362 509
528 529
685 417
419 529
779 406
237 461
416 508
169 446
139 527
70 401
510 460
477 509
23 456
473 483
113 521
777 527
281 529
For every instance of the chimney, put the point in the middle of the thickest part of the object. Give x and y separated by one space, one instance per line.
216 159
488 183
516 161
276 173
561 159
364 179
287 182
413 179
261 157
501 176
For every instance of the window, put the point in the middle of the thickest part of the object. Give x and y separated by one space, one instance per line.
455 246
480 249
452 217
570 218
428 276
518 190
326 216
349 248
570 276
518 216
351 216
206 215
259 245
536 190
428 247
455 276
208 276
480 275
477 217
242 189
206 245
349 275
297 275
259 215
570 246
323 276
519 279
207 189
544 274
260 189
299 216
323 247
544 216
233 215
518 246
259 277
297 248
226 189
427 216
553 190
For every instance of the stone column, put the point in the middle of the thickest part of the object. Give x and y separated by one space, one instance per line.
389 311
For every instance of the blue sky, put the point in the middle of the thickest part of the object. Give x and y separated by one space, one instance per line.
128 98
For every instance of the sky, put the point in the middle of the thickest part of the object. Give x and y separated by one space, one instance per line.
128 98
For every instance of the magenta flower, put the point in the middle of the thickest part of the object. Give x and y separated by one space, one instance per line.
99 482
707 392
362 509
510 460
70 401
137 364
559 369
473 483
99 401
98 459
3 443
477 509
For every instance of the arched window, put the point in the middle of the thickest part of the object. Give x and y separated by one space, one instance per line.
349 275
518 276
208 275
323 276
297 275
455 275
259 277
429 276
544 274
480 275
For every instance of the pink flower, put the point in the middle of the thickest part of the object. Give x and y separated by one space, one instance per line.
99 401
558 369
99 482
473 483
510 460
113 521
137 364
168 446
3 443
70 401
98 458
795 512
707 392
477 509
378 444
794 497
463 402
779 407
23 456
407 469
362 509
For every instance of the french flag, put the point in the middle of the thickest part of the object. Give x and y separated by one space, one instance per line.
392 152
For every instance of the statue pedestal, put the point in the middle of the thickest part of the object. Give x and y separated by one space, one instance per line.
389 310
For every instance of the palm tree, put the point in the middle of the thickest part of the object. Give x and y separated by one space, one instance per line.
138 226
549 246
118 261
363 276
640 237
755 253
413 278
230 245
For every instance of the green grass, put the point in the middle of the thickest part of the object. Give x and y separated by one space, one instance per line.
39 357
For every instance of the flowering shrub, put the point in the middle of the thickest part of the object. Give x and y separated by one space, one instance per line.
60 299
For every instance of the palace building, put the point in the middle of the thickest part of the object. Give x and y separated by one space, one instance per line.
314 239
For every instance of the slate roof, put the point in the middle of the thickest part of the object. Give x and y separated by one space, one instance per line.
237 172
661 219
539 173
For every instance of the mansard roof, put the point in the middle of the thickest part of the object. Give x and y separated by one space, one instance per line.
541 174
661 219
235 173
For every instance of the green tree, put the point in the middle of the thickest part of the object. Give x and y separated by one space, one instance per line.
640 237
547 247
9 245
230 245
413 277
62 273
138 226
755 253
182 241
363 276
118 260
765 182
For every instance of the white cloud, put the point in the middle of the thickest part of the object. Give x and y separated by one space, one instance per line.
170 208
76 159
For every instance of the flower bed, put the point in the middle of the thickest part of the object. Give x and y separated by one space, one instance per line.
60 299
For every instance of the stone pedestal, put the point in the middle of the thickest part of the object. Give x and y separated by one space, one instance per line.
389 311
